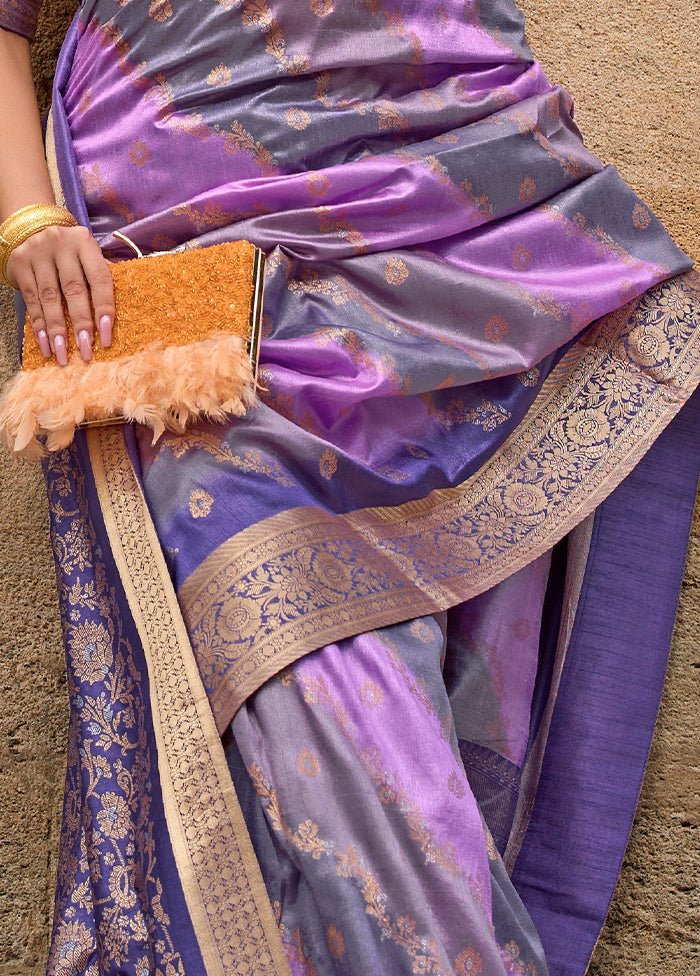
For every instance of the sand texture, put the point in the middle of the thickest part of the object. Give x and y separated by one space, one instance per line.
633 70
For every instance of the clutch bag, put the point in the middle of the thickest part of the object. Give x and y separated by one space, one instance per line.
184 348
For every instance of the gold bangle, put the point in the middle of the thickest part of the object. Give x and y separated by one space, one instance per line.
24 223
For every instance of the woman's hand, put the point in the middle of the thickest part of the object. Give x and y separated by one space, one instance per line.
55 262
64 262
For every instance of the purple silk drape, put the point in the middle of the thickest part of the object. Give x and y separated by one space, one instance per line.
376 625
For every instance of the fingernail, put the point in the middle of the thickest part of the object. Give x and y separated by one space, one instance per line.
85 345
43 340
59 348
105 327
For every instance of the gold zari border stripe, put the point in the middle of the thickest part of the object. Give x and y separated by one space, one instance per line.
304 578
224 890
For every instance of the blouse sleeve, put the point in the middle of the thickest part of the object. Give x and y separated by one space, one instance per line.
20 16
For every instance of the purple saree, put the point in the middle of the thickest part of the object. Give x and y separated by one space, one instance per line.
357 685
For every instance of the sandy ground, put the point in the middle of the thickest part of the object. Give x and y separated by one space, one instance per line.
633 70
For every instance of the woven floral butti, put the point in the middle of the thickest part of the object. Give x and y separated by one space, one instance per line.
184 348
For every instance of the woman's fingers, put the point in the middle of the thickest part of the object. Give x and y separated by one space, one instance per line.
75 291
64 263
40 287
99 279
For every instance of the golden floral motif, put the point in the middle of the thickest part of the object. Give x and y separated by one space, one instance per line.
297 952
122 885
205 218
297 118
354 346
514 965
336 942
672 306
322 8
111 36
649 346
422 631
318 184
256 13
160 10
162 242
139 153
389 117
628 291
307 763
328 464
219 76
90 649
468 963
503 96
252 460
371 694
85 101
423 950
455 785
236 620
331 573
240 140
527 190
554 106
96 187
113 818
395 271
530 377
496 328
487 415
479 202
334 221
528 501
641 218
392 473
388 790
603 244
586 427
417 452
341 292
522 258
200 503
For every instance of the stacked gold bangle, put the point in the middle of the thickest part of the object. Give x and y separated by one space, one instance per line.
23 223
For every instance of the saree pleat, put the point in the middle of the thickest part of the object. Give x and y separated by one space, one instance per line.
350 675
599 739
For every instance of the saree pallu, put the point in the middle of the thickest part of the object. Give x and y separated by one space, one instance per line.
360 682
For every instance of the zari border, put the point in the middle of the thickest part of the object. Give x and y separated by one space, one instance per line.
222 884
306 577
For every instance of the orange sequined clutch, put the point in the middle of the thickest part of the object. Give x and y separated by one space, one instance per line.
184 348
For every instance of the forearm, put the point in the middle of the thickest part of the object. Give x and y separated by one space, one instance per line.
56 263
24 177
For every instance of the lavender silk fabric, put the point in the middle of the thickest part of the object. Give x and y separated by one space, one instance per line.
437 237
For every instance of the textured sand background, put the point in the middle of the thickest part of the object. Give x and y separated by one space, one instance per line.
633 70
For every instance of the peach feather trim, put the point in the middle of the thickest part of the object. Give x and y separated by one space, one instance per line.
163 387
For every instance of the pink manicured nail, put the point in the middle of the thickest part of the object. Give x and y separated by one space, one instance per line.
85 345
43 340
59 348
105 331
